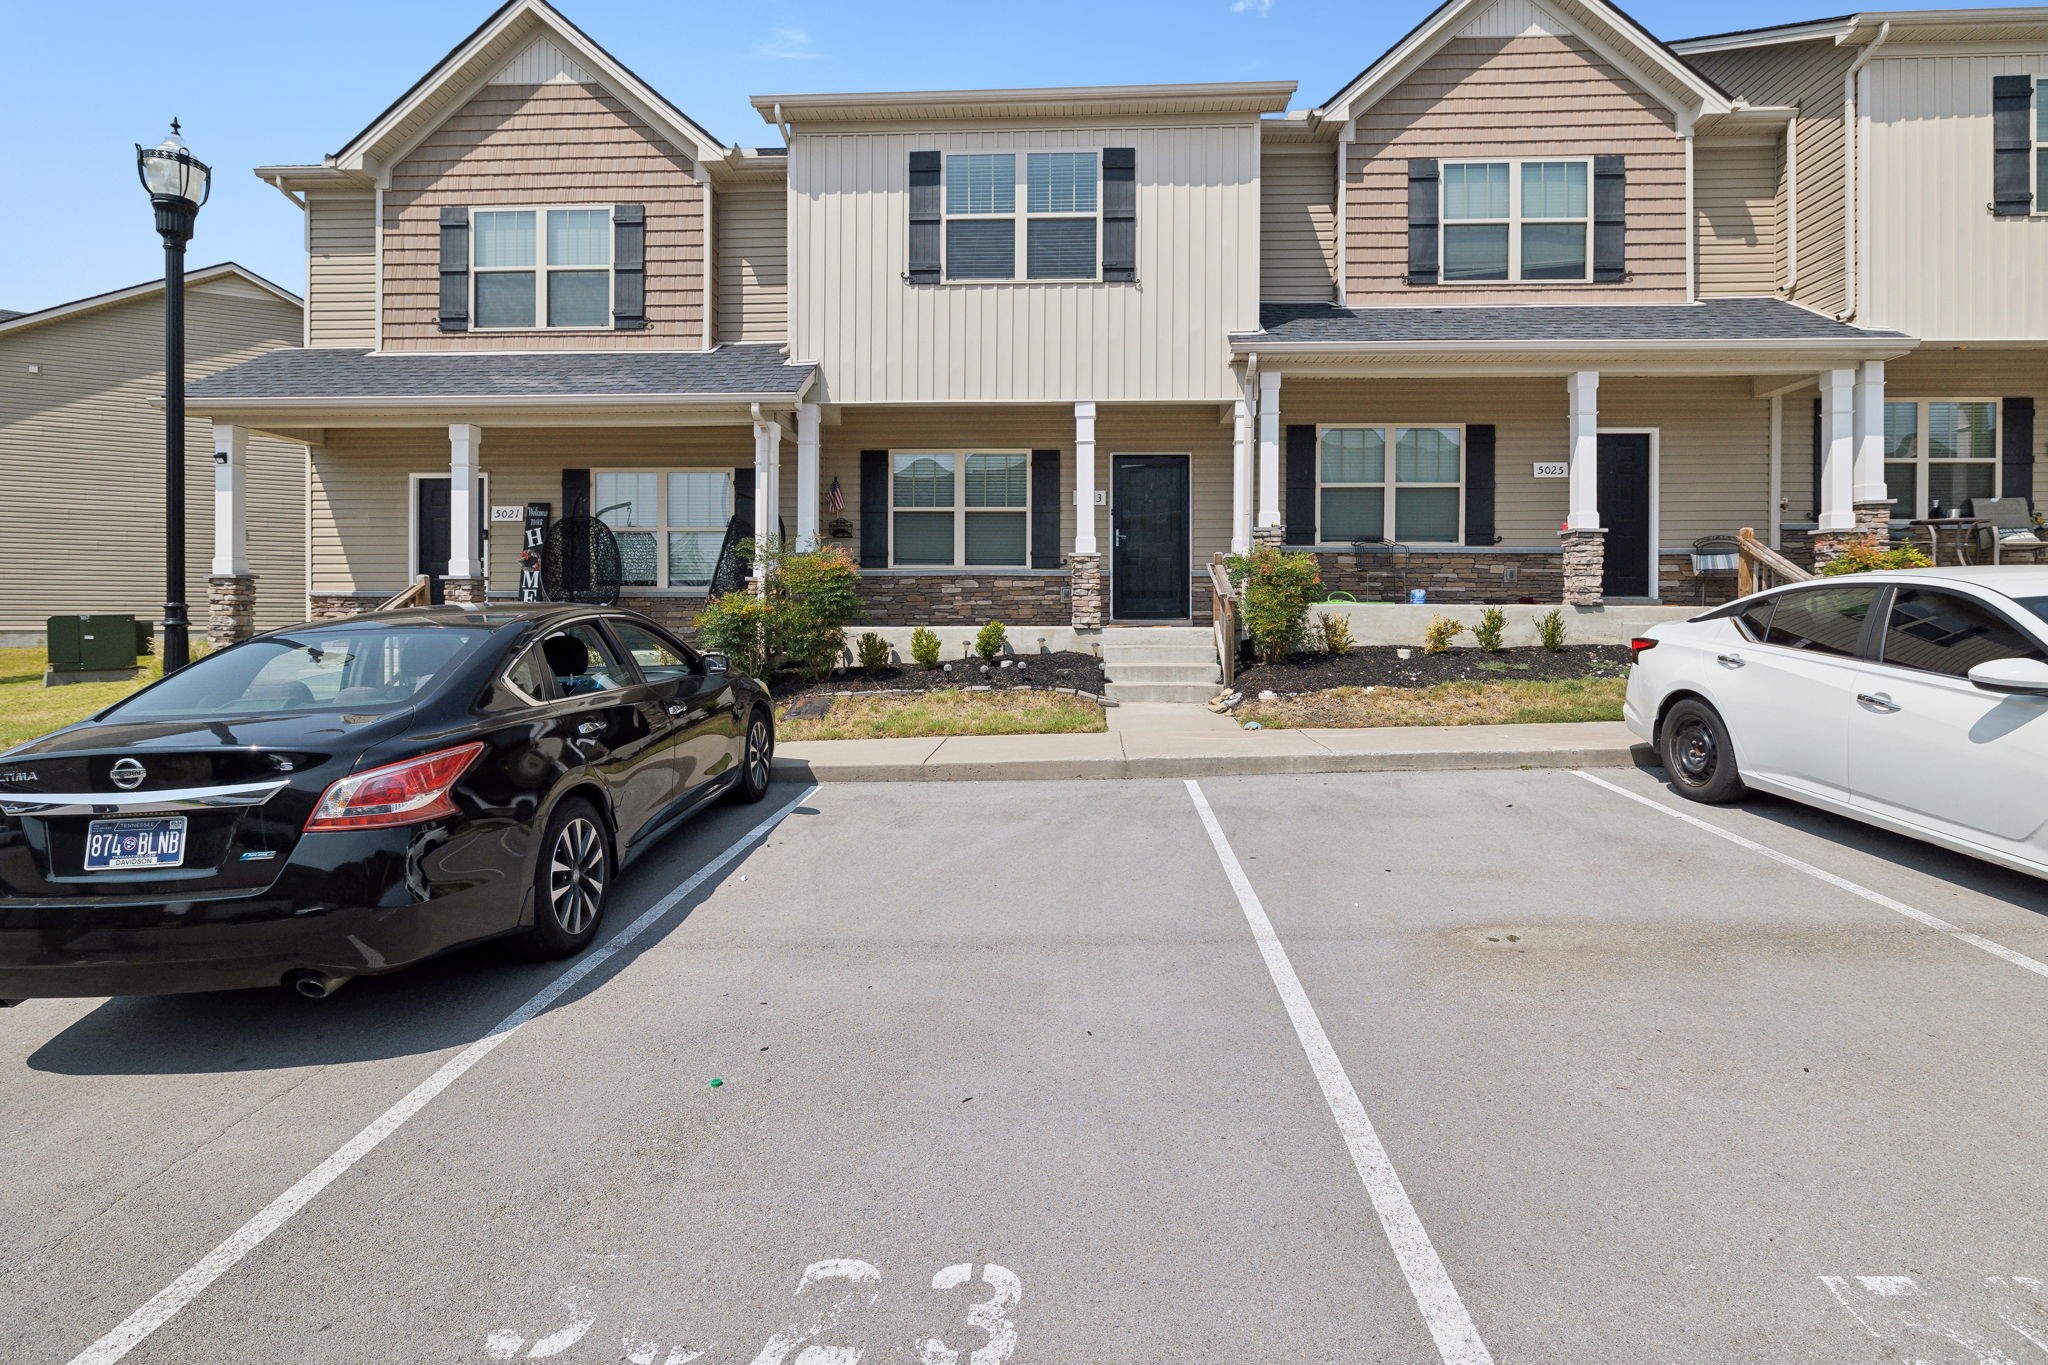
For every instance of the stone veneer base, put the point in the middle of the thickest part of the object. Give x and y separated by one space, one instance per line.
1034 599
230 609
1585 567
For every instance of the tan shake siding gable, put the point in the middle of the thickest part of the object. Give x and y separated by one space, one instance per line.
1528 96
751 230
341 268
1297 224
540 145
1738 205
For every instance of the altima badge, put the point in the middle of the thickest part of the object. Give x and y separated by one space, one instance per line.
128 774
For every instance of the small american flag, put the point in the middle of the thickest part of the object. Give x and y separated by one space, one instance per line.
835 497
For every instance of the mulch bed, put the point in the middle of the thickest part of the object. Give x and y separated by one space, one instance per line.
1067 670
1381 666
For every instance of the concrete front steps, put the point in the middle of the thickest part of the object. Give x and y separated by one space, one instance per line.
1161 664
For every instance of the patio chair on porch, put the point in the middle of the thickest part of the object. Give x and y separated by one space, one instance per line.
2011 529
1386 564
1715 555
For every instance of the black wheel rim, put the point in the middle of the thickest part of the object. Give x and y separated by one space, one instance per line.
576 876
760 752
1695 752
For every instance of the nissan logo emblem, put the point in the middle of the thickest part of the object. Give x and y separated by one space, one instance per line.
128 774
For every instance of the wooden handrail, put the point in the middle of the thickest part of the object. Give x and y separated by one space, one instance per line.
418 593
1758 566
1223 610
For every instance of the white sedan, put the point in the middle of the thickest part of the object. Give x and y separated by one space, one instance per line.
1914 700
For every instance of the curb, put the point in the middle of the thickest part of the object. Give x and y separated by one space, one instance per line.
804 767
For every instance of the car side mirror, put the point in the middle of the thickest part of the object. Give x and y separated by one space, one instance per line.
2012 677
717 663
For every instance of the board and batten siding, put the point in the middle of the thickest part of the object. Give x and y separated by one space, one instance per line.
1298 224
880 339
341 268
750 228
1534 95
82 462
1808 76
560 143
1937 263
1737 202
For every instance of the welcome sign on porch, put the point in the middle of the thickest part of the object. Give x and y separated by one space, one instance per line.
533 548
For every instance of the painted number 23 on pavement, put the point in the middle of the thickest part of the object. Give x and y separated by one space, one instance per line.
860 1286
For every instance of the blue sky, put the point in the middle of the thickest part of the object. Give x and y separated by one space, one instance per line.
269 81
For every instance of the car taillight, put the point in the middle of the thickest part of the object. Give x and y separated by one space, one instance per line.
395 794
1638 645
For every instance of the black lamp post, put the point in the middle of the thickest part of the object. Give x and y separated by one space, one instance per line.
177 183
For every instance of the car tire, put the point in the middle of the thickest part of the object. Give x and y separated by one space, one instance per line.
1697 755
757 757
572 879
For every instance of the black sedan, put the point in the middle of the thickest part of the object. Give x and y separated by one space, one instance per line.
349 797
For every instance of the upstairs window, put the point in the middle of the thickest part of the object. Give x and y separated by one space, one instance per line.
1059 225
1516 220
541 268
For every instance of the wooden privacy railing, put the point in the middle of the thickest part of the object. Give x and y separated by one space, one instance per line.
1760 566
1223 607
418 593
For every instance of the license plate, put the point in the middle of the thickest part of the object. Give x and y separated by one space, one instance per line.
116 845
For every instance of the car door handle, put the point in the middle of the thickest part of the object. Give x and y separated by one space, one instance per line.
590 727
1877 701
1732 660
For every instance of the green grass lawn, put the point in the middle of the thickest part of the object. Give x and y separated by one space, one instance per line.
1457 703
934 714
28 709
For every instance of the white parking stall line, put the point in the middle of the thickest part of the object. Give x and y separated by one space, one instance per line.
1997 950
1443 1311
175 1296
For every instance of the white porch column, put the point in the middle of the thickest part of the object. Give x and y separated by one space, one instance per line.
767 489
807 476
1583 389
1269 520
230 501
1868 480
1241 476
465 549
1838 451
1084 479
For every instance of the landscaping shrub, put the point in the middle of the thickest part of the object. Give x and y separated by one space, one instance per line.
1442 630
798 619
1493 623
991 641
1276 588
872 651
1867 556
1550 629
924 648
1336 633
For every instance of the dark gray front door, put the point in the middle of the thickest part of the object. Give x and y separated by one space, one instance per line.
1625 512
1148 537
432 539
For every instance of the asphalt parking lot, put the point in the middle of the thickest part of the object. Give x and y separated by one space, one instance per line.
1508 1066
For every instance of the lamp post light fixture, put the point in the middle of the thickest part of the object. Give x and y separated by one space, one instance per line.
178 184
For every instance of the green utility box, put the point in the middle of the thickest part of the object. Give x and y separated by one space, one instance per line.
90 649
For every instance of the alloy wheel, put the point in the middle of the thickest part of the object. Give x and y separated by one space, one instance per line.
1696 752
576 875
760 752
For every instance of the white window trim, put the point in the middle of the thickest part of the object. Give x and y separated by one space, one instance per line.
1515 221
541 269
960 511
660 531
1387 485
1020 217
412 520
1922 463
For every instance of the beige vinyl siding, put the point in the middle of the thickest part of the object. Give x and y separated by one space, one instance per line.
537 146
1809 76
1298 224
881 339
1714 451
1737 200
1529 96
82 462
751 226
341 269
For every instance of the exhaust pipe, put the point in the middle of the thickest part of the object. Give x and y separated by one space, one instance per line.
315 985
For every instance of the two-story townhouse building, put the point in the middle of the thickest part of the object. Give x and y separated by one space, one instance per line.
1536 298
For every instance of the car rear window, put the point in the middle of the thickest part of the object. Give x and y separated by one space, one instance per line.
367 669
1820 620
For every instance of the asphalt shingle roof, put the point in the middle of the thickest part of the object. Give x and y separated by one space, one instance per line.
336 373
9 313
1707 320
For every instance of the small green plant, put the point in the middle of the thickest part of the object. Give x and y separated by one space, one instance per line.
1550 629
1336 633
924 648
1277 587
872 651
990 642
798 617
1493 623
1866 556
1442 630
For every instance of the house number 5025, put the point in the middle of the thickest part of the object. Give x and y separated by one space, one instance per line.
1553 469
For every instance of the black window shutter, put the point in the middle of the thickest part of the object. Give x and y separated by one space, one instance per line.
2016 421
1045 509
743 500
1479 486
455 270
2011 145
629 267
575 492
874 507
1299 467
924 218
1120 213
1820 453
1610 219
1422 221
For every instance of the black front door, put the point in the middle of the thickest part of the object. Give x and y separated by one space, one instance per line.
431 538
1148 534
1625 512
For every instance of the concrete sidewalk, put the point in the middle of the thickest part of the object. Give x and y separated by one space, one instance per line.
1188 741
